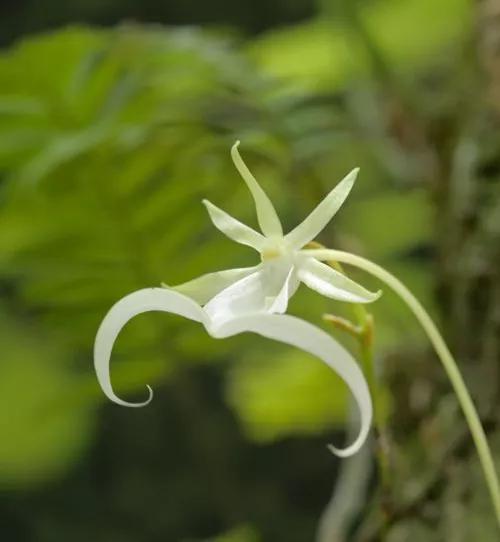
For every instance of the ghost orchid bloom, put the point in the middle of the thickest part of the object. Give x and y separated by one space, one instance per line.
254 299
284 264
279 327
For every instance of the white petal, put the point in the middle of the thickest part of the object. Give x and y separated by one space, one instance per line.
310 228
330 283
279 303
148 299
266 214
290 330
265 290
244 296
234 229
202 289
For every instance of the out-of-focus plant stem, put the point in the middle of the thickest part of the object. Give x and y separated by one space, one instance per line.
348 495
366 339
444 354
364 332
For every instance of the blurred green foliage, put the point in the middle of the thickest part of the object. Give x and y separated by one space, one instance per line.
44 428
109 139
273 395
329 50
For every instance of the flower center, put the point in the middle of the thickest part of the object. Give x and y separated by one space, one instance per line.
275 249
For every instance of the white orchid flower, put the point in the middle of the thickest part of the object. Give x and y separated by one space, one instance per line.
284 265
254 299
280 327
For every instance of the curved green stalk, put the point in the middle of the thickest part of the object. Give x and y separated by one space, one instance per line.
442 351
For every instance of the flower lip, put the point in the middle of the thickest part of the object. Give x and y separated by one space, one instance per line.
279 327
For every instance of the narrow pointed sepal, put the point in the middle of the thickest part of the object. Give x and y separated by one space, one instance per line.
266 214
233 228
309 229
331 283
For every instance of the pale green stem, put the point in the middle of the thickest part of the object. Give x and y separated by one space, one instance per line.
444 354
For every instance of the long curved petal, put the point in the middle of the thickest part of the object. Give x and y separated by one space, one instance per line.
284 328
295 332
266 213
233 228
202 289
310 228
148 299
330 283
